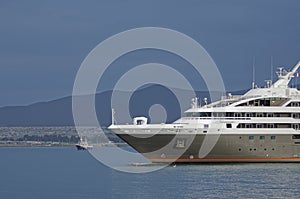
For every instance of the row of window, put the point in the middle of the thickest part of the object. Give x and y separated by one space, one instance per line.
265 102
272 137
265 149
294 104
233 114
262 137
268 125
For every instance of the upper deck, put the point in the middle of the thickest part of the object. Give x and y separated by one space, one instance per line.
277 95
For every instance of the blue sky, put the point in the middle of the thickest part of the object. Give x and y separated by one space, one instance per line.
42 44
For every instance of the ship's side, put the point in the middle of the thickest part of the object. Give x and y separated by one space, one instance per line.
261 126
185 146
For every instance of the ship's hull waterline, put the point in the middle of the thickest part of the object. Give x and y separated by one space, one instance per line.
185 148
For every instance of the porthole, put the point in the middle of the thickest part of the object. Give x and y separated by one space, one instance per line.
240 149
273 137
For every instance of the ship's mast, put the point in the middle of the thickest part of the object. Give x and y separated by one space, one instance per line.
253 73
285 77
112 116
271 70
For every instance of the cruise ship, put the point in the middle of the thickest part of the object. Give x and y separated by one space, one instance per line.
263 125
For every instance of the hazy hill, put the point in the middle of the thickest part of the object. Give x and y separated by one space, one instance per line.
59 112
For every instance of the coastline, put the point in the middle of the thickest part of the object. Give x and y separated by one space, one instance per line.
35 145
49 145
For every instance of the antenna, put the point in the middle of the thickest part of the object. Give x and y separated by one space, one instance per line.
253 73
112 116
271 69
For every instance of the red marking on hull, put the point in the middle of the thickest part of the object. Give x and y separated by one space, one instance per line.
229 160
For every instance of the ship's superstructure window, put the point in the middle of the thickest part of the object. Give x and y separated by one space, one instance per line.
296 136
296 115
219 114
269 115
264 125
198 114
229 114
274 101
294 104
242 125
237 114
282 114
251 137
228 125
296 126
262 137
259 115
259 125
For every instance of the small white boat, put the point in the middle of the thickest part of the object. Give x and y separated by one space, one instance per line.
83 145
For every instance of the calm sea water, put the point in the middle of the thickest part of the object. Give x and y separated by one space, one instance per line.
67 173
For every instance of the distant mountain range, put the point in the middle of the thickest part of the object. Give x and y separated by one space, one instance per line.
59 112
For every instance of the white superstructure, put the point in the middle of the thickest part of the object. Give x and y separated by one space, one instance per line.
274 107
